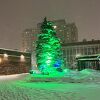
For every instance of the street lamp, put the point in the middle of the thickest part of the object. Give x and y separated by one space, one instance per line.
55 27
5 56
22 58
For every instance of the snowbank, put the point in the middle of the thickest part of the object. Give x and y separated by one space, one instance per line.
69 76
13 77
86 75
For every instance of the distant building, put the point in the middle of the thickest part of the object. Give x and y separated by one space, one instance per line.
29 37
67 32
71 34
60 27
73 50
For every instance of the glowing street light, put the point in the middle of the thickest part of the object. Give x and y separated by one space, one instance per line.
22 58
0 60
55 27
5 55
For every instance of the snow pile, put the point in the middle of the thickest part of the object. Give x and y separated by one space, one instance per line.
13 77
90 75
70 76
86 75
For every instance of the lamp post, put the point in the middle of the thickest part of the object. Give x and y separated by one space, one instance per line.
5 56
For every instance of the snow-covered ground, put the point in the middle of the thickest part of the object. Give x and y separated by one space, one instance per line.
83 85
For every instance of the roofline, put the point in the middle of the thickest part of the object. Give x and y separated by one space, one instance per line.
93 55
13 50
82 43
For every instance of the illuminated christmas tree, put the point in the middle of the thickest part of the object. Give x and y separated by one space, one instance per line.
48 51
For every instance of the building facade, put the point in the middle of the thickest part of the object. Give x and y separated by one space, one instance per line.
29 37
88 61
61 31
67 32
14 62
73 50
71 33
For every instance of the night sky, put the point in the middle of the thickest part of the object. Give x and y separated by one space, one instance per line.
17 15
